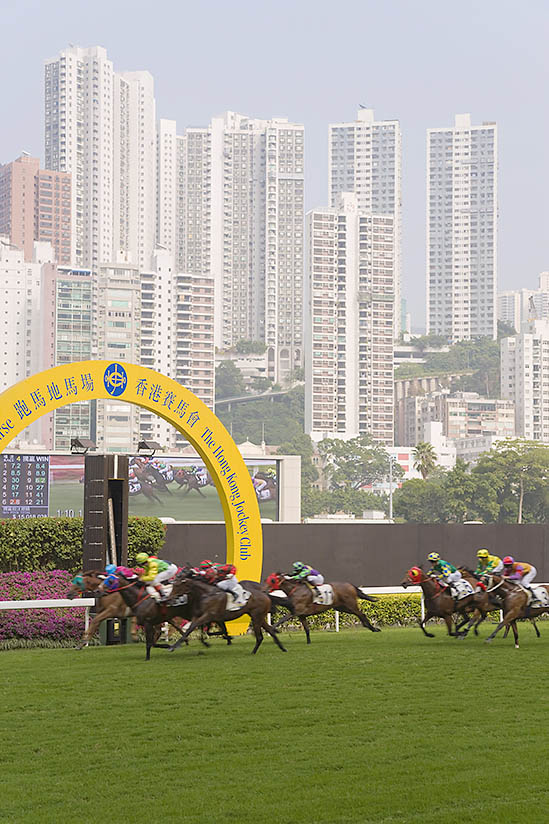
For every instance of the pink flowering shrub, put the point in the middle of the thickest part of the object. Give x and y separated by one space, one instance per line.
59 625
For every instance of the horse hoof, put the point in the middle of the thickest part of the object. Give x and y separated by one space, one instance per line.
516 646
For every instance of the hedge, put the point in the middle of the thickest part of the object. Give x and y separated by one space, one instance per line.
389 610
29 544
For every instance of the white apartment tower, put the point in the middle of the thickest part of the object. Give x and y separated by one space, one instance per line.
365 157
525 379
240 219
462 230
349 388
520 306
100 126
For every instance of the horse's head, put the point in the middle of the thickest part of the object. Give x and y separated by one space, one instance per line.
413 577
274 580
85 582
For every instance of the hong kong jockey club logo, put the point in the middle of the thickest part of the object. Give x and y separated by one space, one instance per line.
115 379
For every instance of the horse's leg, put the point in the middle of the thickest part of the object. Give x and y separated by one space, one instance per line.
533 621
94 624
305 625
449 621
225 634
508 619
149 639
284 620
196 622
200 492
264 625
423 621
515 633
256 624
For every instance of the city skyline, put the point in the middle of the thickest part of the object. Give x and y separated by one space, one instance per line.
499 81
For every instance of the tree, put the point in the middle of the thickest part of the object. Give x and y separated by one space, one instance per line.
356 463
279 419
425 459
421 502
229 382
518 471
350 501
301 444
250 347
505 330
469 497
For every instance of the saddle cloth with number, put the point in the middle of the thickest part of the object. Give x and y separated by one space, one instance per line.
233 605
462 589
326 596
540 597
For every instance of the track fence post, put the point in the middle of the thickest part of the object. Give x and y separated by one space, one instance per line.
422 607
337 619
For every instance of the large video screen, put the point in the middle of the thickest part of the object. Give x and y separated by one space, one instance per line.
164 486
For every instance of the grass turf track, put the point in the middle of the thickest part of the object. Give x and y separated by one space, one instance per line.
392 727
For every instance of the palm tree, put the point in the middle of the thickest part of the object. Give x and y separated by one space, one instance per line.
425 459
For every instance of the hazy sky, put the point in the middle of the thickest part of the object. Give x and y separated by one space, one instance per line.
420 61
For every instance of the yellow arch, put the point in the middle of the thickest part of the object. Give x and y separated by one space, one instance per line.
28 400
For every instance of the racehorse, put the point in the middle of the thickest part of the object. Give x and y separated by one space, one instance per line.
485 602
515 604
112 604
150 613
439 603
301 598
209 604
189 479
269 487
147 474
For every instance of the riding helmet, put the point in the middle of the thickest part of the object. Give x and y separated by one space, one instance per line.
433 556
482 553
508 560
141 557
110 568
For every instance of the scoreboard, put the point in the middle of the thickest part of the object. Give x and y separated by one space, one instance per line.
25 481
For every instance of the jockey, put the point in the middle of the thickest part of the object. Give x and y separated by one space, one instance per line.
488 564
518 571
155 572
304 572
110 582
443 570
226 580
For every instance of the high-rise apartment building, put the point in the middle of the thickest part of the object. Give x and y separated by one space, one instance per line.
167 183
119 339
520 306
365 157
462 230
35 205
100 126
240 220
67 335
349 388
525 379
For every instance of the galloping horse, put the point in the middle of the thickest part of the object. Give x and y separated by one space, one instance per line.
189 479
301 598
438 601
112 604
515 604
209 604
485 602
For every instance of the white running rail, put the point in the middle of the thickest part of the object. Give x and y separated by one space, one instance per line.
52 604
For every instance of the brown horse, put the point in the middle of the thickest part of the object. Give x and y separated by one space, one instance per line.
301 598
485 603
190 481
515 604
209 604
439 603
111 604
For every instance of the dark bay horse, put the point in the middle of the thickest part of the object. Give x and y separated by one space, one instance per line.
301 598
190 481
111 605
149 613
515 604
209 604
485 603
438 601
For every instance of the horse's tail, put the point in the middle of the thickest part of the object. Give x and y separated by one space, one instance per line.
280 601
363 596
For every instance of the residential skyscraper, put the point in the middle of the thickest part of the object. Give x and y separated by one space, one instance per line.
365 157
525 378
349 387
518 307
35 205
462 230
240 219
100 126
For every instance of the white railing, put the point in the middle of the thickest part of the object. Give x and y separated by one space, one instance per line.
53 604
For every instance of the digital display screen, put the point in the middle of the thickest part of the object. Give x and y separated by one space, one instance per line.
25 485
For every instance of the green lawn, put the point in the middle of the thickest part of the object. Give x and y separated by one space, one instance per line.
182 507
391 727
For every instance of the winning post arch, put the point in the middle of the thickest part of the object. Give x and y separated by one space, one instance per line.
30 399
